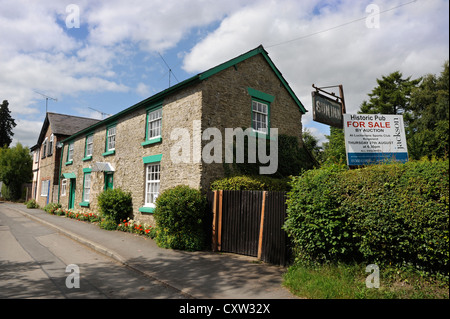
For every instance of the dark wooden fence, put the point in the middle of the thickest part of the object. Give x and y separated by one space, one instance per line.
250 223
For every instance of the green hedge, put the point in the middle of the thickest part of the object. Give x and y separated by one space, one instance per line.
51 208
393 214
115 204
180 215
251 183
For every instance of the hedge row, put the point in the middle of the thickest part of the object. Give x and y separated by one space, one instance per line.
393 214
254 183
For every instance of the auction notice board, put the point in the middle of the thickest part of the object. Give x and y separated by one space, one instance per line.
374 138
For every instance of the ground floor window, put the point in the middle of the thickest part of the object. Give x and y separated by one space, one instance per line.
45 185
63 187
86 187
152 183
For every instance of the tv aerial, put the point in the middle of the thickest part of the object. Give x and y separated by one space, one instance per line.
46 99
104 115
170 69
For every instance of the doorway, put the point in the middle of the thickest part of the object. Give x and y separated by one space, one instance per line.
72 188
109 180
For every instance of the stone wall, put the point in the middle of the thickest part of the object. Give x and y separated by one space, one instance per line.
227 104
179 111
48 169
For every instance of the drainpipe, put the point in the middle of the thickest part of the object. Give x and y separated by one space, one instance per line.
60 166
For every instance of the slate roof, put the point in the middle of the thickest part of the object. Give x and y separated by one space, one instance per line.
63 124
67 124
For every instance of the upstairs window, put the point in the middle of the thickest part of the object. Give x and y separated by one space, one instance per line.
70 152
111 138
89 146
153 125
260 117
44 148
154 119
50 145
260 112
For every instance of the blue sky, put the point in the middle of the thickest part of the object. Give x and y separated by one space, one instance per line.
113 61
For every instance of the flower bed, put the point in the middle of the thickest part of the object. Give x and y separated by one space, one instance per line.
82 216
132 226
127 225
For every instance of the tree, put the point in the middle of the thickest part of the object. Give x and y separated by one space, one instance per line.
427 123
334 149
391 96
312 144
15 169
7 124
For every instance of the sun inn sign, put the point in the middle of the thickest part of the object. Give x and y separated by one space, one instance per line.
327 110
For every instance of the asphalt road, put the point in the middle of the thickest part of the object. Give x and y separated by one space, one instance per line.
34 260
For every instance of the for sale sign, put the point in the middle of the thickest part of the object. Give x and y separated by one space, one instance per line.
374 138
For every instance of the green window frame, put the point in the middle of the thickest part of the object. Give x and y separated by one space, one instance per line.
153 125
152 171
88 147
70 151
87 186
260 112
110 141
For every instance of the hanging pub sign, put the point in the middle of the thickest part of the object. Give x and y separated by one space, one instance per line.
326 110
374 138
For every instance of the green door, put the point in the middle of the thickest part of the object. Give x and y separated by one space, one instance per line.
73 185
109 180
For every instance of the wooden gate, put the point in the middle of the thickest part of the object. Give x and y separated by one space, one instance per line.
250 223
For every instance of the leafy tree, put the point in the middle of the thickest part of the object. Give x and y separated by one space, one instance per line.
15 169
7 123
334 149
391 96
312 144
428 122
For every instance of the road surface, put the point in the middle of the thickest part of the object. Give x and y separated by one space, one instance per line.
34 260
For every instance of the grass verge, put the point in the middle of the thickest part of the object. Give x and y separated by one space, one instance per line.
348 281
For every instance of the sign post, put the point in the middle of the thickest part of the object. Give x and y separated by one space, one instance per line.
328 109
374 138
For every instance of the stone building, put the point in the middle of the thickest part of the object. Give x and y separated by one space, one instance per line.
46 154
157 143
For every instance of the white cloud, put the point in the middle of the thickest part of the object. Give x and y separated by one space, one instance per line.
320 136
143 89
39 53
26 132
412 39
155 25
29 26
